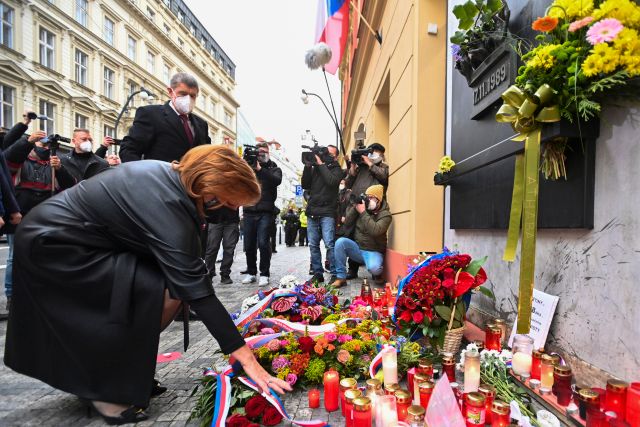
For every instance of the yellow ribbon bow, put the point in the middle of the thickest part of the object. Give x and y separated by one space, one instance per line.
526 115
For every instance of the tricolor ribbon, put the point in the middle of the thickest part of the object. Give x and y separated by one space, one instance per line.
299 328
526 115
246 317
223 397
376 363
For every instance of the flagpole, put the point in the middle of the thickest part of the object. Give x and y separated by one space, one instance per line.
376 34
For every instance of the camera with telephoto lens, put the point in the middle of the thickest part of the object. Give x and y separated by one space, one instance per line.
309 157
250 154
361 150
32 116
53 141
356 199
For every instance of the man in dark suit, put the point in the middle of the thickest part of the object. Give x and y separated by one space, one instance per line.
166 132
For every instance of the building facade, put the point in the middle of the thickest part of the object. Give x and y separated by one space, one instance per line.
77 62
395 93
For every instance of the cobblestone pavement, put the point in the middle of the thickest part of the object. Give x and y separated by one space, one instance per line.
28 402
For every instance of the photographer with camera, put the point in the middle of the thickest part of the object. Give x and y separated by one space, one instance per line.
14 134
258 219
82 163
372 218
321 178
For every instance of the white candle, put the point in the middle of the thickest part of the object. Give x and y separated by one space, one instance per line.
521 363
471 371
390 366
386 413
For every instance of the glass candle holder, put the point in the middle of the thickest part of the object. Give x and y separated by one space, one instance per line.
602 393
562 377
493 337
425 392
390 366
314 398
475 412
522 354
386 414
536 362
596 418
403 401
425 367
587 399
449 366
471 371
616 397
390 389
331 390
503 330
346 384
500 414
362 412
455 387
417 379
633 405
374 389
489 393
349 396
365 292
415 416
546 373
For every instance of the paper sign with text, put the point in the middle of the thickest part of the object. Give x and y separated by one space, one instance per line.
544 306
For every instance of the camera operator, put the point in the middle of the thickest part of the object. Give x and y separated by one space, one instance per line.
82 163
258 218
322 178
372 219
17 130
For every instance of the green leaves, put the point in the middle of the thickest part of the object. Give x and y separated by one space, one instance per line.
492 7
466 14
457 38
475 265
443 311
486 292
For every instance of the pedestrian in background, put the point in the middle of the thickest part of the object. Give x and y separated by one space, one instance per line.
223 229
291 227
302 241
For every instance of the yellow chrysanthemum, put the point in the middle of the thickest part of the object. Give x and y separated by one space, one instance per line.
603 59
542 56
627 44
625 11
574 9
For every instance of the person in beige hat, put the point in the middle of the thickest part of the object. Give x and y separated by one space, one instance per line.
372 219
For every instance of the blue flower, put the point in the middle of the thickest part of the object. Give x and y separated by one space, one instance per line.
455 52
260 294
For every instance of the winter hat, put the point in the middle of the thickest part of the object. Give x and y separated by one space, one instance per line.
376 191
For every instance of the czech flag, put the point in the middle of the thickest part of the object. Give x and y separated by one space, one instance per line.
332 28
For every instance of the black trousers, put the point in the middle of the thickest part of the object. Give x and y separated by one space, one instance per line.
302 237
227 234
290 235
257 236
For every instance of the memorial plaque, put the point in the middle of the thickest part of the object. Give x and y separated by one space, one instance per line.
493 77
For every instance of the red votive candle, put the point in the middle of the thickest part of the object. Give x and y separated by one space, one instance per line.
449 366
425 367
425 389
403 401
331 382
536 361
596 418
500 414
346 384
562 384
602 393
362 412
314 398
633 405
349 397
410 375
475 412
493 338
616 397
489 393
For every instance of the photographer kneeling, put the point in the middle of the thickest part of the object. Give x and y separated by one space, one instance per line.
372 220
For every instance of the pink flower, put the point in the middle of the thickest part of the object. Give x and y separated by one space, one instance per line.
330 336
267 331
604 31
273 345
576 25
291 379
344 338
284 343
343 356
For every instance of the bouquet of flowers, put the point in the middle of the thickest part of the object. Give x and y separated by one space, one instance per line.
430 299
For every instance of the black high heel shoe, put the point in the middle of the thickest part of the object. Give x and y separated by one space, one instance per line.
157 389
130 415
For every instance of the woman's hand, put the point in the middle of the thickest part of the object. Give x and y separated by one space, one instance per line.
256 372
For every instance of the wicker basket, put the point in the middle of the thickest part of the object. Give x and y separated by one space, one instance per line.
452 340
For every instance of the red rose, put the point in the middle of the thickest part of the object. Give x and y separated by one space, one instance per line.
306 344
418 316
237 420
271 416
449 276
255 407
409 303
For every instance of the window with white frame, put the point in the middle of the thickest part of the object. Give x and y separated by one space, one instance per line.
192 29
212 110
81 11
81 121
167 3
202 99
7 96
47 48
227 119
81 60
166 73
151 62
131 48
6 25
151 14
167 29
132 87
181 16
47 109
109 131
108 30
109 82
180 42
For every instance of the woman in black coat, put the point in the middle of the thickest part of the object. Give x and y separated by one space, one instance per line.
102 268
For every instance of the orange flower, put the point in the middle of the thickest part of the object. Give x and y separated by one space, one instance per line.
318 349
545 24
331 347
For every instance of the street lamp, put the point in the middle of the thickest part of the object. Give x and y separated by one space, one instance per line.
144 94
334 119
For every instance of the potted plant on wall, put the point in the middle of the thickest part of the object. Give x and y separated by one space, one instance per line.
482 28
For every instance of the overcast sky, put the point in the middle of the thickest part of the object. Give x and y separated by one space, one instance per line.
267 40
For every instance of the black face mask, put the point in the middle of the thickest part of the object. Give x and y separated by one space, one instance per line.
43 153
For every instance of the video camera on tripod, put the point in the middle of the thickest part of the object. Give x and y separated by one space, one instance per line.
356 155
54 142
309 157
